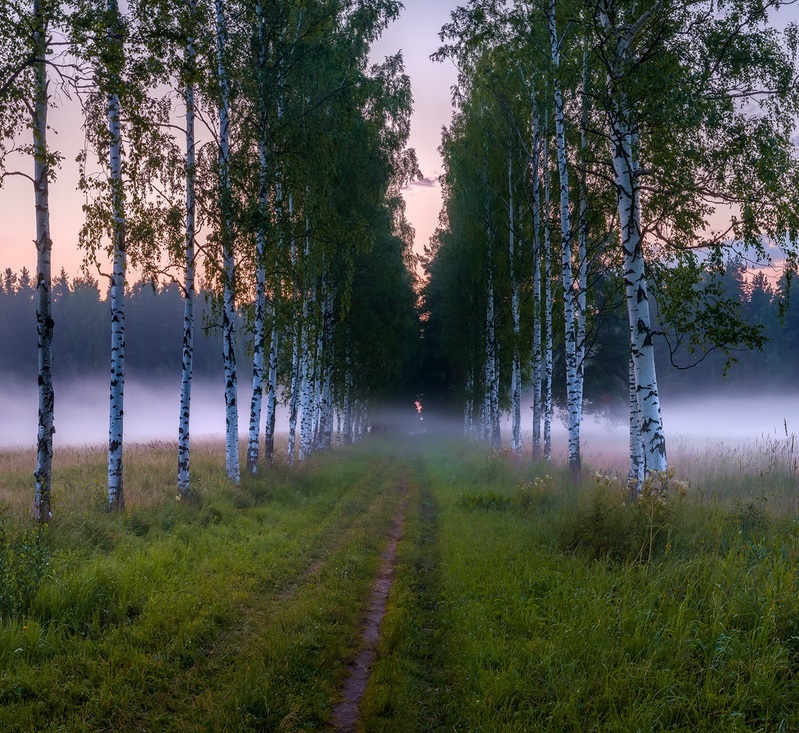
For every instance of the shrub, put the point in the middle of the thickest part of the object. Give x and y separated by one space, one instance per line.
625 529
490 500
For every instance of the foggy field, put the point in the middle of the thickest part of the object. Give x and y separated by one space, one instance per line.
152 408
520 601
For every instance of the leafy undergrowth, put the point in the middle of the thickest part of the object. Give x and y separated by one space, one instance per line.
556 607
236 610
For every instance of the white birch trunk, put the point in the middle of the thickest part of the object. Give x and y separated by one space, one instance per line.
271 395
625 167
582 243
187 358
347 438
488 418
116 494
537 351
547 308
306 420
357 418
306 417
44 246
326 416
259 330
643 352
468 408
259 326
516 373
317 384
572 387
294 397
492 371
296 376
229 266
635 475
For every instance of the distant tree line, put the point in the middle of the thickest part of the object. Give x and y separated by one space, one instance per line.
81 346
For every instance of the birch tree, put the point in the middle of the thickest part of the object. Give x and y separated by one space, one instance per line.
673 164
43 160
122 218
226 238
172 34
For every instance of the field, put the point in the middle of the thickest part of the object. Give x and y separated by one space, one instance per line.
520 600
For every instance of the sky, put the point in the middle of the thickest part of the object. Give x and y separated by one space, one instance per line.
415 33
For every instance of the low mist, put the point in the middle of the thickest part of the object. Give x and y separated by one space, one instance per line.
151 410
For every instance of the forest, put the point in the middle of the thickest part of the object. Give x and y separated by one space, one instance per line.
154 315
619 228
285 201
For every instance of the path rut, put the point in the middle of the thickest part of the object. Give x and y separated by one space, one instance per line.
346 714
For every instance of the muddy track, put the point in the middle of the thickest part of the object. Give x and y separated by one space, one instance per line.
346 715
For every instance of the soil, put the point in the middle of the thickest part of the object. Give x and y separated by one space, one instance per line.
346 714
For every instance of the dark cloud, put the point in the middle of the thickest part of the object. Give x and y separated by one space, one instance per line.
424 182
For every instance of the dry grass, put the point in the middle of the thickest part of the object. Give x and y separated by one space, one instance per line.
79 474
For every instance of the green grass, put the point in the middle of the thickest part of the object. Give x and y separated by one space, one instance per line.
236 611
533 631
522 602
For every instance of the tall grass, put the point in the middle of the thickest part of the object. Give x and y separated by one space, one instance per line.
236 610
522 601
548 616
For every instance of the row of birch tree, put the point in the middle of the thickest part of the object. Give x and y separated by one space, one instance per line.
603 154
246 143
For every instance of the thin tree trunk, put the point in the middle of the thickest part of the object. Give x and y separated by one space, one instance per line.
582 238
326 417
259 346
348 407
306 420
116 494
516 372
492 372
271 395
296 376
229 265
187 362
547 308
572 387
537 355
636 472
259 325
44 312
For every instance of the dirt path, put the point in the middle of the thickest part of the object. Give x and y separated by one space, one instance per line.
346 714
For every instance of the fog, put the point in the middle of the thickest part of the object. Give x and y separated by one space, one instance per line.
151 410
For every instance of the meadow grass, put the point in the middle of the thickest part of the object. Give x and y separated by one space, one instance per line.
522 601
542 612
237 610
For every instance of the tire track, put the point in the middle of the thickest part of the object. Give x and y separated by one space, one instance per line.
345 715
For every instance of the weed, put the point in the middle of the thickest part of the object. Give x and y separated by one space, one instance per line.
24 561
535 495
487 501
750 516
624 529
